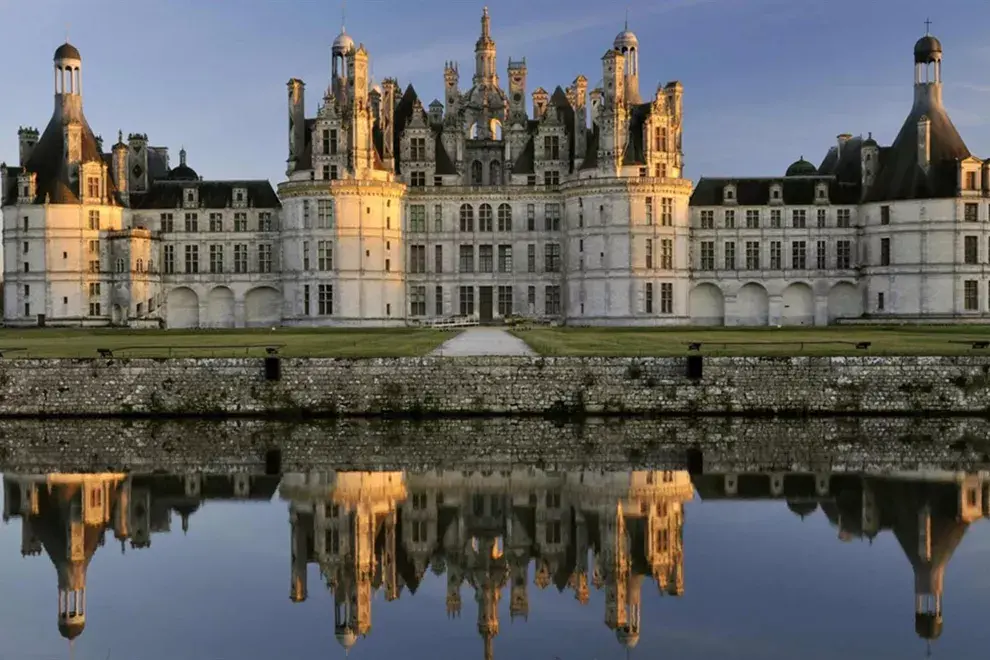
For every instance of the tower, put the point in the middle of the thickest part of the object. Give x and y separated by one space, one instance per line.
360 110
869 161
68 82
517 92
119 155
339 74
612 118
451 81
485 54
627 44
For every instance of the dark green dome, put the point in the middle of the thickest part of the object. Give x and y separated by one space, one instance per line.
801 167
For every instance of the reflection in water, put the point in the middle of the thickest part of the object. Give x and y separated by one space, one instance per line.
372 532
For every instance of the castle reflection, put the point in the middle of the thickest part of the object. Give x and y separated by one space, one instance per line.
486 533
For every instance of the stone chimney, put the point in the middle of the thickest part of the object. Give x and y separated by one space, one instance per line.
842 138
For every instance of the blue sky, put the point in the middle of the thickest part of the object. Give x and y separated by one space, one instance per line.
766 81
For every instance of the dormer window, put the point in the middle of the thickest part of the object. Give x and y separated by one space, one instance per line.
776 193
729 193
190 196
240 196
971 181
821 192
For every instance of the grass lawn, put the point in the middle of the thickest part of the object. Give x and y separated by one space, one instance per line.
292 342
630 342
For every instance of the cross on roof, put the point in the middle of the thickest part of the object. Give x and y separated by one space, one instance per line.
928 25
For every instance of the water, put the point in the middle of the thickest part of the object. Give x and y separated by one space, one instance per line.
518 562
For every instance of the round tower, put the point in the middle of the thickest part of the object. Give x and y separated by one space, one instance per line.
627 43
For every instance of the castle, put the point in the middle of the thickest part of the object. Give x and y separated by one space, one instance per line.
574 210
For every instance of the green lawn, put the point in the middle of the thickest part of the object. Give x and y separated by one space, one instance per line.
630 342
292 342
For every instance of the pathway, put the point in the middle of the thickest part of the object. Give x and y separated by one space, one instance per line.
483 341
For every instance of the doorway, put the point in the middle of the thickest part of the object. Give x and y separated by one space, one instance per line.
485 299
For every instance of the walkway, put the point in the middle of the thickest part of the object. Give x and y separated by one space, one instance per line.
483 341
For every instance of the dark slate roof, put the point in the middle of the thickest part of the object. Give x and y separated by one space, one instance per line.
847 165
48 162
403 114
9 194
801 167
212 194
444 163
183 173
305 160
67 52
526 163
900 176
635 152
756 191
926 49
566 114
591 153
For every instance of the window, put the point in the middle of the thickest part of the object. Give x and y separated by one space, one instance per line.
729 219
324 214
466 262
971 250
27 305
649 210
530 258
333 172
417 301
730 255
306 300
240 219
333 142
970 181
551 254
666 298
216 258
843 254
776 216
649 253
667 212
438 259
708 219
485 218
465 295
485 259
119 266
660 138
25 226
192 222
551 215
551 178
880 302
799 218
417 258
467 217
884 215
192 259
505 258
552 300
94 309
531 298
505 300
752 219
708 255
476 173
324 255
821 255
326 172
531 217
305 255
417 179
94 247
326 141
884 251
531 180
799 255
752 255
94 220
168 264
551 147
971 295
324 300
94 289
438 218
417 149
648 298
843 218
776 255
216 222
666 254
822 217
438 300
504 217
417 218
240 258
167 222
265 258
92 186
971 212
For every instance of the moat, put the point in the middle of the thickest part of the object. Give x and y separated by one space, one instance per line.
824 539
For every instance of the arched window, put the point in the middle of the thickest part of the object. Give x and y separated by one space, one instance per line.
495 173
485 218
120 265
467 217
476 173
151 266
140 266
496 129
473 131
504 217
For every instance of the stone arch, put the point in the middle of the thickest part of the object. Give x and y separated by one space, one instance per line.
844 301
477 173
182 308
118 316
707 305
220 308
752 305
798 305
263 307
495 127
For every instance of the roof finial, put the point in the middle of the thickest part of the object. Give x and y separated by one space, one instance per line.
182 156
343 15
66 33
928 26
627 19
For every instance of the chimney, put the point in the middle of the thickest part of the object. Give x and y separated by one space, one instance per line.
297 121
540 101
924 142
27 137
842 138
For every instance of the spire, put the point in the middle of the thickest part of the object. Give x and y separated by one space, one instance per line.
928 27
486 24
182 156
627 19
343 15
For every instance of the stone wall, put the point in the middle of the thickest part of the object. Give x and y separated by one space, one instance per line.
834 444
559 387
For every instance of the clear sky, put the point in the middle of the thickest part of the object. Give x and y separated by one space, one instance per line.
766 81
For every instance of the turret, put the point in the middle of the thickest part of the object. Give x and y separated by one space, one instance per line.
627 44
137 144
517 91
68 81
390 90
27 137
119 162
540 102
451 80
436 112
485 54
